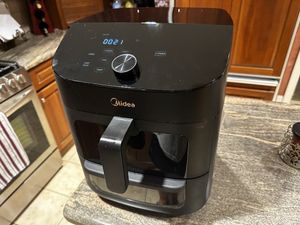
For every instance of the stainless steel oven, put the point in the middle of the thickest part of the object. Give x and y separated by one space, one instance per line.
28 120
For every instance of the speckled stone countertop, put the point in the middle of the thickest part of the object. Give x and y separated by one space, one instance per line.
35 50
251 183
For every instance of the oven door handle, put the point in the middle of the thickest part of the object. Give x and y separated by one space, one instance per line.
17 99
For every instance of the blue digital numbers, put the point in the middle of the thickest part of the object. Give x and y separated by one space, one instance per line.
112 41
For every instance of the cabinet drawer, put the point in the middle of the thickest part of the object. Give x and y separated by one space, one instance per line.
250 92
42 75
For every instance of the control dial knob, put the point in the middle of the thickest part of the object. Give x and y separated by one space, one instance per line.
20 78
11 83
3 88
125 67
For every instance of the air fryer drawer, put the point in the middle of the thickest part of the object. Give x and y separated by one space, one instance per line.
167 191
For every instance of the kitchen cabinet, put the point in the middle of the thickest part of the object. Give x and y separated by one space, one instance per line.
42 75
76 9
43 80
262 34
65 12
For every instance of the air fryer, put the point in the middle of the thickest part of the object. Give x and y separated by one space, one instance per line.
143 90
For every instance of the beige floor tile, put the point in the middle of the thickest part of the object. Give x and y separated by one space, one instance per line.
70 153
47 208
64 222
75 159
66 180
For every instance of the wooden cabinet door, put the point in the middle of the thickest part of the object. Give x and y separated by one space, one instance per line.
76 9
42 75
260 37
262 32
221 4
53 108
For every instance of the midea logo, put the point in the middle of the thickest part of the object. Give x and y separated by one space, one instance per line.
116 102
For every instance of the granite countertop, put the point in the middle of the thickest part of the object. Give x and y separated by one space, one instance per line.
251 183
35 50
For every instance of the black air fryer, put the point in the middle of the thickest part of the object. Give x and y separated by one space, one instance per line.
144 90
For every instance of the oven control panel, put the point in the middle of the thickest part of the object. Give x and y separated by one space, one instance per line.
13 82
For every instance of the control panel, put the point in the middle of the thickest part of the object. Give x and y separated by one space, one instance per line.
156 56
13 82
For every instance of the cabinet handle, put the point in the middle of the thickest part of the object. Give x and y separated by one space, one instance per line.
43 100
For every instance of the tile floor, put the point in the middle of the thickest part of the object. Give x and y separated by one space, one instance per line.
47 207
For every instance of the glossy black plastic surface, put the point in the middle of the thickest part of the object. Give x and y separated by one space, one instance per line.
112 151
180 57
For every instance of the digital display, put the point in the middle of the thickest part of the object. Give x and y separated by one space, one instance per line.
112 41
